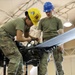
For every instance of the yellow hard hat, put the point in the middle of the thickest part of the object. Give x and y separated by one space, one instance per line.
34 15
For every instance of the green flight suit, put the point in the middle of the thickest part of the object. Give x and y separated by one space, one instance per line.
49 27
9 47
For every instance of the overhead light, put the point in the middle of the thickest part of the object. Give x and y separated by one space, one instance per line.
67 24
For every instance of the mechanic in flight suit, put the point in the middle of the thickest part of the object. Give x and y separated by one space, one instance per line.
51 26
17 27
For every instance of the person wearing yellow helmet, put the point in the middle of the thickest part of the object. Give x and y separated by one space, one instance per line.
17 27
34 15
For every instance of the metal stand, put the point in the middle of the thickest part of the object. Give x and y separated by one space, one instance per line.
30 62
26 69
4 66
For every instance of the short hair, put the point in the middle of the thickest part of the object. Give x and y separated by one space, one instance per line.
26 14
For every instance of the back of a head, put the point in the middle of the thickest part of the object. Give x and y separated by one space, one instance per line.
48 6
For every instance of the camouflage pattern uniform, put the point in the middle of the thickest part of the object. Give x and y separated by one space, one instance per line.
49 27
9 47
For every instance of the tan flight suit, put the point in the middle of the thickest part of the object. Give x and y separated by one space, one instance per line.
49 27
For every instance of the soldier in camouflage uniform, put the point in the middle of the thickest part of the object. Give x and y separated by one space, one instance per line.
51 27
17 28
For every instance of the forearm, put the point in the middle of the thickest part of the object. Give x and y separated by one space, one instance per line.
23 39
61 31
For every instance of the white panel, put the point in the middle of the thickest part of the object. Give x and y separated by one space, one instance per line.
73 66
51 68
67 66
33 71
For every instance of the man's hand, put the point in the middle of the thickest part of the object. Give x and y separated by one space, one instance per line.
60 48
29 39
35 39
